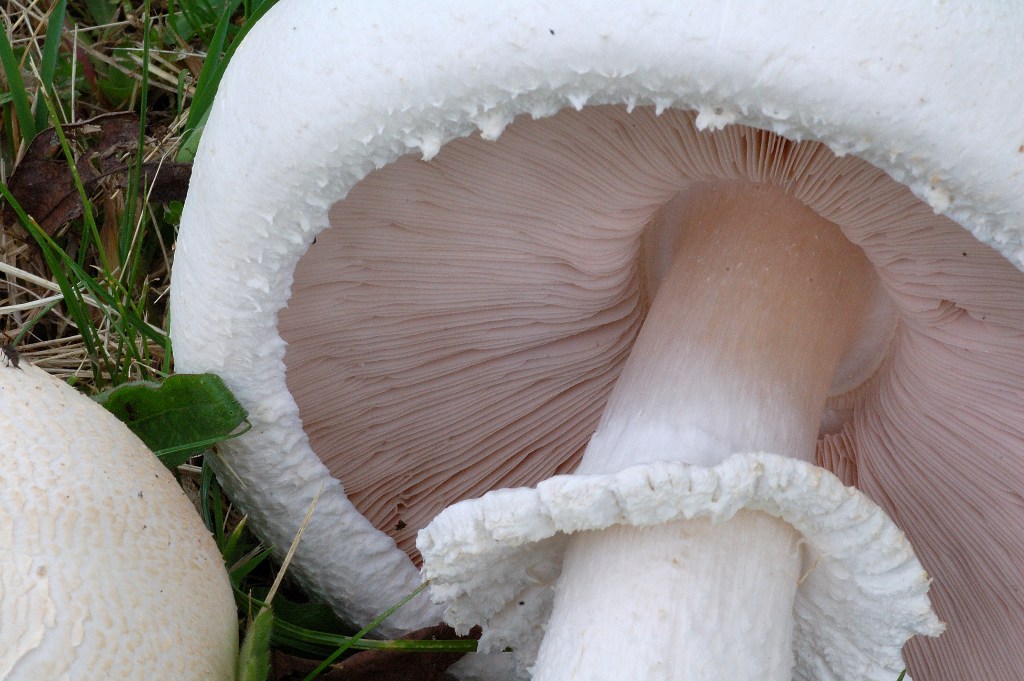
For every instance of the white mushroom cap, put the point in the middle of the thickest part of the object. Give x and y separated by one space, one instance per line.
901 88
862 593
106 570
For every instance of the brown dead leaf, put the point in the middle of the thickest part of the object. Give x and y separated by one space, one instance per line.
104 149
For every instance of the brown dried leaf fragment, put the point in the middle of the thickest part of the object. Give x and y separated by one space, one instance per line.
104 149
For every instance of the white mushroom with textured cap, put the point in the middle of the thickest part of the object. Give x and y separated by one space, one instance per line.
423 266
106 570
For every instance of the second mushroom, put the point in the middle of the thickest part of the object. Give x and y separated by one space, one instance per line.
583 277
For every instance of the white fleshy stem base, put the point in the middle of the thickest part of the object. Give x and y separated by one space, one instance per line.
710 602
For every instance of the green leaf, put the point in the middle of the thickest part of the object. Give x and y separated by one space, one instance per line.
179 418
254 655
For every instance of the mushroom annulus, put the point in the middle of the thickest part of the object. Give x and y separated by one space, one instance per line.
106 569
734 245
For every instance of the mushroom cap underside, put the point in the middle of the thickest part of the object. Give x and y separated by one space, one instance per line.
491 294
546 60
106 570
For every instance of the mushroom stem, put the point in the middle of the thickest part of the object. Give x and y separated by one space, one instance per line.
738 352
703 602
739 349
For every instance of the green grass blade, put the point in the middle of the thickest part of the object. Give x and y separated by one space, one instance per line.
315 643
19 96
26 328
230 549
74 283
91 231
48 66
178 454
125 321
131 232
215 49
322 667
241 568
180 93
191 18
73 299
211 74
211 505
254 656
200 16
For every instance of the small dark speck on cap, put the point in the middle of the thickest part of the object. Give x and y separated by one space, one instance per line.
551 31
